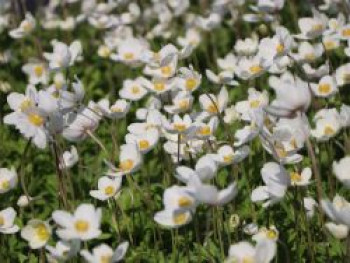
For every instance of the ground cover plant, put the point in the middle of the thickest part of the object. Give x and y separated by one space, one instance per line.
174 131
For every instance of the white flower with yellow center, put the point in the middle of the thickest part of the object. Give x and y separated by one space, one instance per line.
173 218
7 218
228 63
25 28
308 52
256 100
330 42
158 85
211 104
145 141
301 179
105 254
8 179
132 90
226 155
182 102
328 124
107 188
179 125
37 72
130 51
206 130
338 210
250 68
325 88
116 111
37 233
179 197
84 224
342 75
270 234
312 27
188 80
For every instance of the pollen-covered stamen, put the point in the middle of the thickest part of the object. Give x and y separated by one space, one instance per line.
42 232
36 119
126 165
324 88
81 226
190 84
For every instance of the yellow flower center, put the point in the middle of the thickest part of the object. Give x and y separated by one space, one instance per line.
2 220
254 104
26 26
26 104
180 219
143 144
38 70
204 131
128 56
35 119
228 158
126 165
109 190
248 259
328 130
212 108
180 127
329 44
105 259
135 90
42 232
116 109
184 201
255 69
190 84
310 56
295 177
324 88
159 86
184 104
81 226
5 184
271 234
166 70
280 48
105 52
346 32
317 27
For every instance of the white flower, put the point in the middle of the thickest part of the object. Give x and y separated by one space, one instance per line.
312 27
228 63
8 179
132 90
158 86
25 28
182 102
173 218
328 124
63 55
341 170
325 88
231 115
192 37
179 125
316 73
105 254
256 100
301 179
250 68
130 51
188 79
24 200
63 250
37 72
308 52
179 197
69 158
212 104
145 141
339 231
265 234
227 155
107 188
310 204
116 111
342 75
223 78
7 217
338 210
84 224
37 233
247 47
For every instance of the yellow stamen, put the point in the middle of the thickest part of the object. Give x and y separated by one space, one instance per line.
228 158
35 119
295 177
38 70
2 220
180 219
328 130
280 48
135 90
126 165
81 226
271 234
255 69
184 201
5 184
166 70
109 190
346 32
180 127
204 131
128 56
143 144
190 84
324 88
212 108
26 104
159 86
42 232
254 104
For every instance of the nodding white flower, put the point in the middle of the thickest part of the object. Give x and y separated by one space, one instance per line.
24 200
256 100
338 210
264 234
209 194
312 27
179 125
345 115
116 111
84 224
339 231
63 251
330 42
212 104
130 160
226 155
205 169
107 188
243 252
276 181
342 75
247 47
309 205
292 96
37 233
173 218
85 121
37 72
145 141
158 86
341 170
301 179
182 102
130 51
328 124
8 179
63 55
231 115
69 158
308 52
132 90
316 73
192 38
250 68
25 28
179 197
224 78
7 218
325 88
105 254
188 79
228 63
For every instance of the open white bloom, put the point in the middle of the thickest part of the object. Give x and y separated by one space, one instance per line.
158 85
69 158
316 73
342 75
243 252
64 250
223 78
107 188
231 115
325 88
338 210
228 63
226 155
25 28
341 170
301 179
276 181
308 52
179 197
182 102
339 231
192 38
173 218
310 204
212 104
247 47
188 79
130 51
116 111
266 234
132 90
7 218
328 124
105 254
256 100
37 72
312 27
84 224
250 68
179 125
8 179
37 233
145 141
63 55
